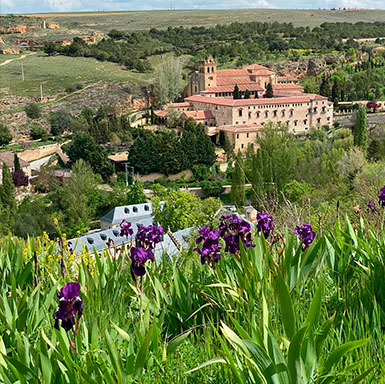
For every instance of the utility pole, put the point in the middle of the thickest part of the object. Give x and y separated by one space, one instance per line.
127 167
22 71
41 92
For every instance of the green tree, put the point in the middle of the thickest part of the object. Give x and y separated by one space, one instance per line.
7 189
84 147
5 135
336 92
33 110
135 194
238 183
177 211
236 92
247 94
269 91
324 88
360 129
60 121
168 81
16 163
256 183
374 150
77 196
228 148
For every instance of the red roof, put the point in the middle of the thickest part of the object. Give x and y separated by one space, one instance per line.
198 115
287 86
253 67
303 98
230 88
176 105
232 72
161 113
234 80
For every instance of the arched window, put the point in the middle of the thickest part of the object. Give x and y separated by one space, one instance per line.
240 112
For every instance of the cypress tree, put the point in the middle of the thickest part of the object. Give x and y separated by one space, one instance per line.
7 190
361 129
269 91
324 88
247 94
236 93
238 183
16 163
335 92
256 183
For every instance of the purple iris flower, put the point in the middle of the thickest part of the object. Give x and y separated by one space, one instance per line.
306 234
125 228
381 197
371 206
149 236
70 304
211 250
146 240
265 224
233 229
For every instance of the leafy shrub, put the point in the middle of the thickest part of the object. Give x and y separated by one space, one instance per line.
33 110
5 135
38 132
60 121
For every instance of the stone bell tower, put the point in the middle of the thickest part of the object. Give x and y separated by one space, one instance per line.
207 74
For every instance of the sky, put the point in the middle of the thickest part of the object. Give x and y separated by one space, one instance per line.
32 6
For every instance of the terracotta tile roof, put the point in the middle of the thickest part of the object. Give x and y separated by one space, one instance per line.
198 115
161 113
253 67
234 80
239 128
287 86
230 88
8 158
263 72
303 98
232 72
176 105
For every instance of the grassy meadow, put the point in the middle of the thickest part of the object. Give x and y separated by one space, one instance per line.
139 20
277 313
56 73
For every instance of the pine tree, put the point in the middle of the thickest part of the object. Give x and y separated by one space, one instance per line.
269 91
256 183
361 129
247 94
236 93
238 183
16 163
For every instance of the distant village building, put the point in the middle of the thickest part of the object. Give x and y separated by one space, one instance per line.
9 159
209 101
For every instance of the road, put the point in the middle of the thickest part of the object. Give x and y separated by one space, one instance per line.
371 119
17 58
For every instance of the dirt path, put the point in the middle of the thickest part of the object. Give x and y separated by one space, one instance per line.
17 58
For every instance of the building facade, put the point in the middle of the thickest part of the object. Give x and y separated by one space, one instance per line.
210 101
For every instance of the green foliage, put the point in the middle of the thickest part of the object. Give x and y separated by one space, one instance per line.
135 194
165 152
269 91
84 147
295 191
5 135
7 200
236 93
33 110
78 194
61 121
238 183
38 132
361 129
